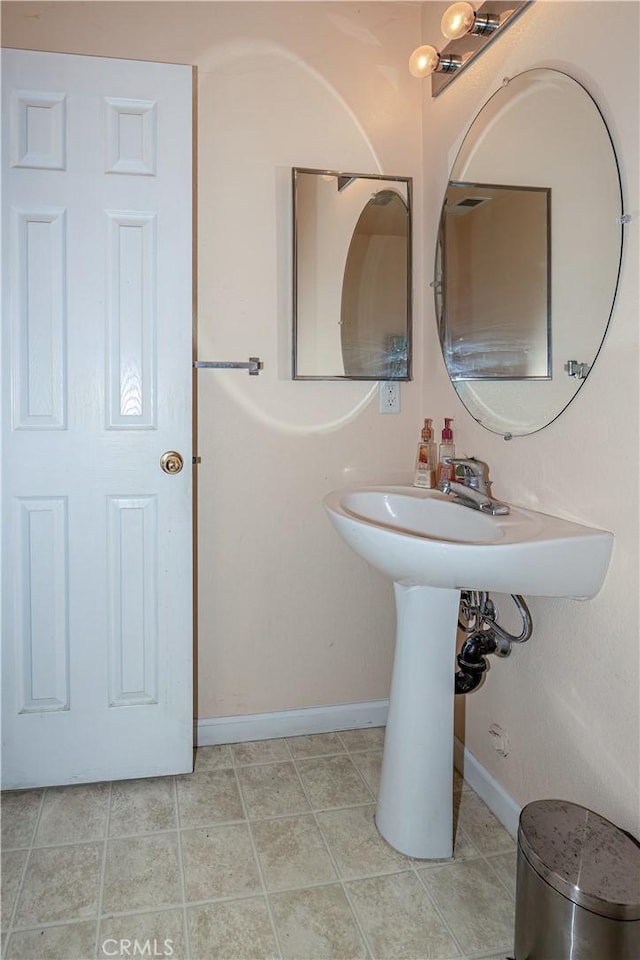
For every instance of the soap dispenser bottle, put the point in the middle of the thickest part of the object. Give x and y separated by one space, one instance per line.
446 471
426 463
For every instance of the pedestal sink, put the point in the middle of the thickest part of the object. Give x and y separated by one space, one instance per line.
432 548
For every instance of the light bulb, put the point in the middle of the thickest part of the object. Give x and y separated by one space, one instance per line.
458 19
423 61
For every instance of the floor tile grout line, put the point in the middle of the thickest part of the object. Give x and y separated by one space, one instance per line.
343 806
167 907
206 825
103 872
494 854
469 839
25 868
487 858
256 857
126 836
255 763
345 892
350 753
23 873
439 913
373 789
356 919
319 756
483 955
288 759
475 955
364 780
183 882
259 819
213 824
359 775
311 885
363 749
163 908
418 871
359 926
234 763
109 915
276 816
52 924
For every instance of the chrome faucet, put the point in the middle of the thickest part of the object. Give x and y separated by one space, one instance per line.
473 473
473 488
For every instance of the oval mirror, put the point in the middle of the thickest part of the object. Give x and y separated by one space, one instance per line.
528 252
351 276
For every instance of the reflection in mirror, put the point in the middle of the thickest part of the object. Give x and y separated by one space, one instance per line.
352 276
495 322
374 291
543 129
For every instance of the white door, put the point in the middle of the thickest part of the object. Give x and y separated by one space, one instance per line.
96 386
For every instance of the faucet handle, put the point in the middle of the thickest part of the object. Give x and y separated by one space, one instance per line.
471 472
470 466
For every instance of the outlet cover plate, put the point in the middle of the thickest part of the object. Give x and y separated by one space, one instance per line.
389 396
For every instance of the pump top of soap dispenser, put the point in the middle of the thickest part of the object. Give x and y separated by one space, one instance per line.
447 433
427 432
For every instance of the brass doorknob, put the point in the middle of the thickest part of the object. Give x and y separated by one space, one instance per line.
171 462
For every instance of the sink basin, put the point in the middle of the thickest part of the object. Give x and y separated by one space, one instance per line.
424 537
432 548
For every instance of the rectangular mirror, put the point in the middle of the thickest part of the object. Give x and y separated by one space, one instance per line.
351 276
495 282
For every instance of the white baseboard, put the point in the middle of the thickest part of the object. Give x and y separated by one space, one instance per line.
501 804
291 723
351 716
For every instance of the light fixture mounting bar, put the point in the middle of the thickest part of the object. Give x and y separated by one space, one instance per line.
472 45
486 24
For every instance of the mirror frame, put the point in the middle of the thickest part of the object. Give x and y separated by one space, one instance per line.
621 219
408 182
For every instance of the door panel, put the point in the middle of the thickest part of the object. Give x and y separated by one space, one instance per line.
96 386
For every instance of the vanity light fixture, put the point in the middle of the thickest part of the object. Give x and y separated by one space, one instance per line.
461 18
426 59
468 31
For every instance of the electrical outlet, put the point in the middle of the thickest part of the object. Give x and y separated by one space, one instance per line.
389 396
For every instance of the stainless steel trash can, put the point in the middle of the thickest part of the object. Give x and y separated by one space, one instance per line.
578 886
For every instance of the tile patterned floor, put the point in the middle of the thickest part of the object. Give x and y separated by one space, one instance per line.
268 850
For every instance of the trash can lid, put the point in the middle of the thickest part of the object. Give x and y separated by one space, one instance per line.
583 856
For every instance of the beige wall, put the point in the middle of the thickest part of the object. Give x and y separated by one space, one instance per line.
569 699
288 615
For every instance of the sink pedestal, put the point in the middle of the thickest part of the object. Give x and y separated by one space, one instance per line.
415 801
